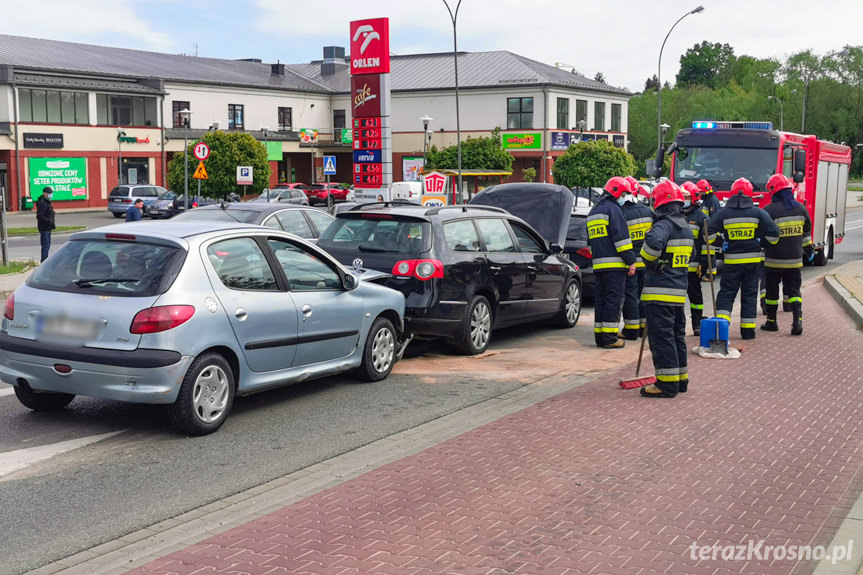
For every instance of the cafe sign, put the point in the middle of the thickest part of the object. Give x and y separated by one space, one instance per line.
529 141
67 177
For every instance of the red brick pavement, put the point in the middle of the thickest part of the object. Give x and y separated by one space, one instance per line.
598 479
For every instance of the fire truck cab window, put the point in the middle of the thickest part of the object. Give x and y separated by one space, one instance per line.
721 166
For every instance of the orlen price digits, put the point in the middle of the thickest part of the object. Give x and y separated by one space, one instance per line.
371 179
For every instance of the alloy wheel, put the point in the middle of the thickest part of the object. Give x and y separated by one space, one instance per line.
210 394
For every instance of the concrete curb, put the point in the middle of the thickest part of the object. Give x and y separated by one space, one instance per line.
843 297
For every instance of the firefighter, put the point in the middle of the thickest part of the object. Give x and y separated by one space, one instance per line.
666 252
639 218
698 263
709 201
784 259
613 259
744 227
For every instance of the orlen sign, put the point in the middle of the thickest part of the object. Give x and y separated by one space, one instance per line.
370 46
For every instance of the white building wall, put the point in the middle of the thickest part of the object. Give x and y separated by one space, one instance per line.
7 112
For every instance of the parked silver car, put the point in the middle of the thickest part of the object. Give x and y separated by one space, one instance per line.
191 314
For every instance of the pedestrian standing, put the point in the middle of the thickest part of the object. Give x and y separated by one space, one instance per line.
136 212
45 220
666 252
698 262
784 259
639 218
745 227
613 259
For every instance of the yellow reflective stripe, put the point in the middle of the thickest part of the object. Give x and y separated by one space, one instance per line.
795 300
746 325
639 265
723 316
743 261
771 301
608 266
607 330
696 306
623 246
647 255
668 378
663 298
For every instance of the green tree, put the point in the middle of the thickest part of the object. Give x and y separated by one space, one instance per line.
483 153
227 151
529 174
590 164
600 77
651 84
706 64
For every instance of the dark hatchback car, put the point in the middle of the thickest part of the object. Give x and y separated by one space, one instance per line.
464 270
302 221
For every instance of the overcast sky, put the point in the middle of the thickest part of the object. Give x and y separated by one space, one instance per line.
621 39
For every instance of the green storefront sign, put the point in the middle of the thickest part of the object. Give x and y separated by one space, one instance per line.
66 176
528 141
347 136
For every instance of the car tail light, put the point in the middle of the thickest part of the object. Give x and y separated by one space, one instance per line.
194 204
420 269
122 237
9 310
127 200
162 318
584 252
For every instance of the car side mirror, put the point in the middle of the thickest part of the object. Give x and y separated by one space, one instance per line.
555 248
350 282
799 165
659 162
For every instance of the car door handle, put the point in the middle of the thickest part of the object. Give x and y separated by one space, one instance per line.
494 269
307 310
241 314
531 268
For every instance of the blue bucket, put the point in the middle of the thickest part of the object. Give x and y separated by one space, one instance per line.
709 327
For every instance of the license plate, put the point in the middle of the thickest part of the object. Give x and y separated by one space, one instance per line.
67 327
117 200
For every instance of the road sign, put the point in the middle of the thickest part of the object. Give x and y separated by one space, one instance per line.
200 172
202 151
330 165
244 175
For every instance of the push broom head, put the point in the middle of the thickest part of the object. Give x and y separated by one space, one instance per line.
637 382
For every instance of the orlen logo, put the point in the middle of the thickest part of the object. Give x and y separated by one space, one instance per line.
370 46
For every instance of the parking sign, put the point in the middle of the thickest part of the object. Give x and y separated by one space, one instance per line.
244 175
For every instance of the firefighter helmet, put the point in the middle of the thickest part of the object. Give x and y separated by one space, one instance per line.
704 186
633 183
778 182
665 192
617 186
744 186
689 189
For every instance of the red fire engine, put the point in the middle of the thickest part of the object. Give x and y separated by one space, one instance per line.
722 152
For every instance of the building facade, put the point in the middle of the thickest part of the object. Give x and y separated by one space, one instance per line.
85 118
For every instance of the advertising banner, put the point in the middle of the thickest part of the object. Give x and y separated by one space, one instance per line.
66 176
411 168
560 140
529 141
43 141
308 136
366 96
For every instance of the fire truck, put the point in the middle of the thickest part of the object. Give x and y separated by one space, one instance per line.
721 152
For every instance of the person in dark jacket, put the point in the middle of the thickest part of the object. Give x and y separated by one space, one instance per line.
666 252
784 259
639 218
745 227
709 201
613 259
135 213
45 220
698 263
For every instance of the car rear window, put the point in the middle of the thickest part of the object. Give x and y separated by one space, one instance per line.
110 268
376 233
119 191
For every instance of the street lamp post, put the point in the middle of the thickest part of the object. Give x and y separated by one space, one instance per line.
809 79
659 76
582 126
120 134
781 119
184 114
425 120
266 132
454 16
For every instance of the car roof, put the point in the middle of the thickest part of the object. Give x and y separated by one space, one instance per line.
167 230
254 207
422 212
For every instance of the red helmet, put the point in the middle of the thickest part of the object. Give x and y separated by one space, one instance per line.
778 182
633 183
665 192
617 186
689 189
742 185
704 186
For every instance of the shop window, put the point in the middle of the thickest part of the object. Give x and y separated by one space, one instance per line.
25 105
235 117
339 119
178 106
581 111
52 106
599 116
82 108
615 118
285 119
115 110
519 113
40 106
563 113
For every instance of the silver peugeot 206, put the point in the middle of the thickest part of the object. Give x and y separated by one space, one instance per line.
191 315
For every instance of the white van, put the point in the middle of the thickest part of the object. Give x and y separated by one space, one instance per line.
410 191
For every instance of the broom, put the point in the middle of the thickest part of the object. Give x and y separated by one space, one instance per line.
636 381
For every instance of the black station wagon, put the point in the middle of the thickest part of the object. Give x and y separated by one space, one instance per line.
464 270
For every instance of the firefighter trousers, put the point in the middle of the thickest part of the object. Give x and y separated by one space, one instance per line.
633 308
607 300
742 278
696 299
791 280
667 336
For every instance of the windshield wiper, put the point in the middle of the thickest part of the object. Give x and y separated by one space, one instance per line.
363 248
89 282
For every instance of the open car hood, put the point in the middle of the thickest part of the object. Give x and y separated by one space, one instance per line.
546 207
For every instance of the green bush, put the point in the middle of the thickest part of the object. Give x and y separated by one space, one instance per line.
591 164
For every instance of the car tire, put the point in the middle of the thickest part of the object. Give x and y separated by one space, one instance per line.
476 327
379 352
570 306
206 396
42 401
117 215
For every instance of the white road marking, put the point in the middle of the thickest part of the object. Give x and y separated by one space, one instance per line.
16 460
7 391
